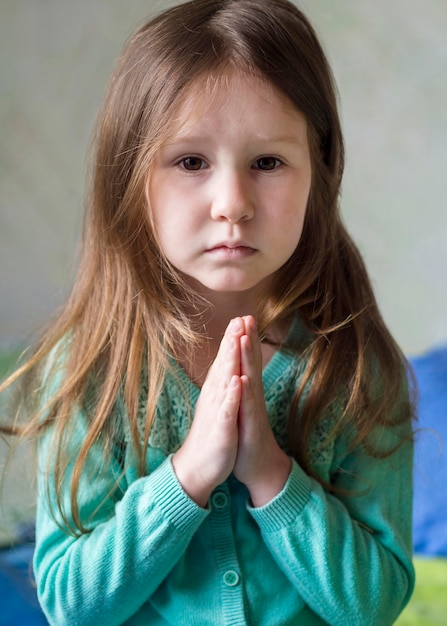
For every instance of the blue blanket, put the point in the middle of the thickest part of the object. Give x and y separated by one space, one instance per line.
430 468
19 606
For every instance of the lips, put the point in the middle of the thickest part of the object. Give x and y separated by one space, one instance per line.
232 250
231 245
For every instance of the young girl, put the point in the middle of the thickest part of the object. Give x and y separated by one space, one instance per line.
223 419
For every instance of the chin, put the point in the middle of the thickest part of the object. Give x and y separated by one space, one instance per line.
235 287
228 284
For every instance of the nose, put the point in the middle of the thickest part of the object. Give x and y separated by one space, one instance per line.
233 201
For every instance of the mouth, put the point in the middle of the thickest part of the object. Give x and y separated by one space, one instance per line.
232 250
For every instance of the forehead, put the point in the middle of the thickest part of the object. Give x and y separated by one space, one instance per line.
222 92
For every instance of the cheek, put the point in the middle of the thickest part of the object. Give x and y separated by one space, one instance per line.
293 222
295 207
295 233
160 214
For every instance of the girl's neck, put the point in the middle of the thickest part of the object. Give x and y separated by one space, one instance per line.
212 325
217 318
225 306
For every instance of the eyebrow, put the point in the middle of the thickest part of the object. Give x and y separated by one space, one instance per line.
281 139
287 139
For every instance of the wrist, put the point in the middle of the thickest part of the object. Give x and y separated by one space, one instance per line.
272 481
191 480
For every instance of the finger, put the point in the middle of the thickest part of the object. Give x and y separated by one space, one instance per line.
251 329
229 345
253 420
247 400
227 362
229 354
236 327
250 324
247 358
230 406
251 362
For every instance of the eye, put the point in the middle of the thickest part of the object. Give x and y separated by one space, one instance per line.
192 163
267 163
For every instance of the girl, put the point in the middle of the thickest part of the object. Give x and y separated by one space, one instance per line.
223 418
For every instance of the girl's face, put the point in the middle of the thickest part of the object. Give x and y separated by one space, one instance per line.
229 188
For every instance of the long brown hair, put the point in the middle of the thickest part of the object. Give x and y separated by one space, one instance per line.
126 313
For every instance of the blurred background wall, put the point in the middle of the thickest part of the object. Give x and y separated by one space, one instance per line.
390 61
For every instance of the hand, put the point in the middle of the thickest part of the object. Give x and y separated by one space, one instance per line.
260 464
208 454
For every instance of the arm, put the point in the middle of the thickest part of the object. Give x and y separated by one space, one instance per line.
106 575
137 538
349 558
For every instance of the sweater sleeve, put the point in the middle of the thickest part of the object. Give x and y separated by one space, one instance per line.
106 575
348 556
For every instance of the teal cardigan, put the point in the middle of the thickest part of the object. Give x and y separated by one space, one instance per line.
155 557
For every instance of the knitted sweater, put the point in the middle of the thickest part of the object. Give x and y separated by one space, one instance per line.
155 557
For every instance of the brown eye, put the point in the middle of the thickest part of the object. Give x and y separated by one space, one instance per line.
267 163
192 163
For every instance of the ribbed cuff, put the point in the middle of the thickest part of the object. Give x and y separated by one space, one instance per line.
287 505
178 508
